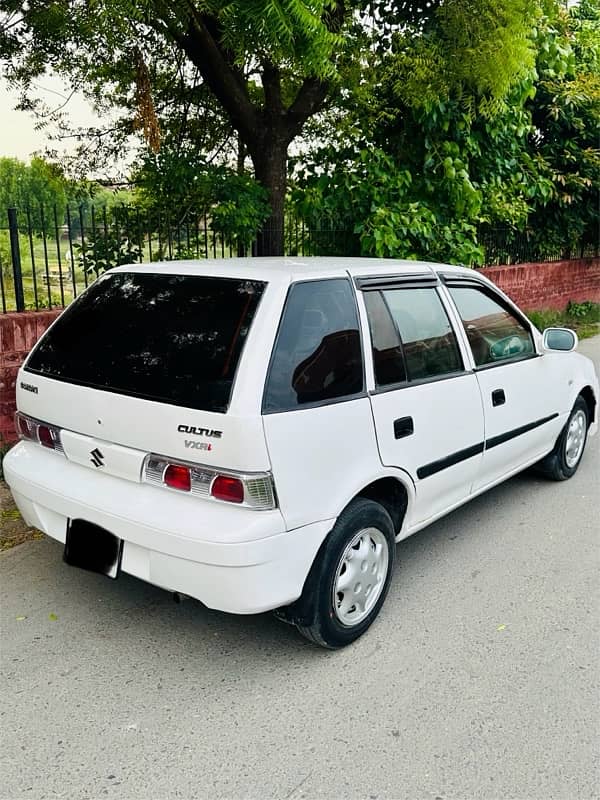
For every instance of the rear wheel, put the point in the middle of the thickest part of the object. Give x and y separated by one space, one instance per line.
562 462
350 578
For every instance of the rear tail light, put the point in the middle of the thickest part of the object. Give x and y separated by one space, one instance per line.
224 487
24 427
178 477
33 430
253 490
45 436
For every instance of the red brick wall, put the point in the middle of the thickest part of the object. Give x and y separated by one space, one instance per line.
531 286
18 333
551 285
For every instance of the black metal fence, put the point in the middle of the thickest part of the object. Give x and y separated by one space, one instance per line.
48 256
507 246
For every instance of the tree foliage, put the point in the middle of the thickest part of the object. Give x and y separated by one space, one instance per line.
34 187
565 113
417 171
194 73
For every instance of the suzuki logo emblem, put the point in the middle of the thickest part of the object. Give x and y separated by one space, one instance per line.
96 457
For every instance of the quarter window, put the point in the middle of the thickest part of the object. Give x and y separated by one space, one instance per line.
412 336
495 334
317 356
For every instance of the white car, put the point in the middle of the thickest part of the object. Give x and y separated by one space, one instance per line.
258 433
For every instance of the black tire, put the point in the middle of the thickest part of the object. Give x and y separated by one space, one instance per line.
314 613
557 465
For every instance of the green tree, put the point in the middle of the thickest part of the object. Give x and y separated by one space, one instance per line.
421 170
565 113
270 65
38 187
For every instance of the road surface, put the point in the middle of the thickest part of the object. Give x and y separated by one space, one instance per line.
479 680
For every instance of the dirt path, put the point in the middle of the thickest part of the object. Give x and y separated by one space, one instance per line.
13 530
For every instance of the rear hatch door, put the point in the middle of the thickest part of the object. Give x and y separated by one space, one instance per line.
146 362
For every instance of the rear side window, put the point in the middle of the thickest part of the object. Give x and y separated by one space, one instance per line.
175 339
429 342
412 336
317 356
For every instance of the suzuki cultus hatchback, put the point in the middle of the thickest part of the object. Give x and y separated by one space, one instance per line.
258 433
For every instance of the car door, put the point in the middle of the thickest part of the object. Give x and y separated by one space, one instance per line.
426 405
519 395
316 414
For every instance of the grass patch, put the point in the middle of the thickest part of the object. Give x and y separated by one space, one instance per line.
583 318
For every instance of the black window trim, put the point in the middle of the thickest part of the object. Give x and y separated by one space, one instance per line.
399 384
332 400
408 382
507 361
403 281
393 387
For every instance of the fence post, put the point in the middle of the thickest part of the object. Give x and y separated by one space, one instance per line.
15 251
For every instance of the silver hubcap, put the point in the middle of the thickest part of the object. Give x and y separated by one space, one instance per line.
360 576
575 438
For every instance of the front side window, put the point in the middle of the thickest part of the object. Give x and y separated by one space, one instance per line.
175 339
495 334
317 356
420 343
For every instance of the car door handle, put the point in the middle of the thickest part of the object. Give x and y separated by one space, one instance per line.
498 397
403 427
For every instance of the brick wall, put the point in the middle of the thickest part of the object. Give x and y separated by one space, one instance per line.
551 285
18 334
531 286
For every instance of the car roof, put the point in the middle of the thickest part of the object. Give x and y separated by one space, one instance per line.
288 269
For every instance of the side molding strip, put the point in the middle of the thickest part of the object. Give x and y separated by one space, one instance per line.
462 455
449 461
505 437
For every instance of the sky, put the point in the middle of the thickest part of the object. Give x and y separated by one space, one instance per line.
18 137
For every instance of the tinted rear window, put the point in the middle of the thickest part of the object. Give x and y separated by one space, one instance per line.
172 338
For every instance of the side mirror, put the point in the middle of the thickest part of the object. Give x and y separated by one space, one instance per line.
560 339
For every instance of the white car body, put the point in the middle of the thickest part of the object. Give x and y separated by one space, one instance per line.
246 560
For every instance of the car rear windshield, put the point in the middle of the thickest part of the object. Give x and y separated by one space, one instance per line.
171 338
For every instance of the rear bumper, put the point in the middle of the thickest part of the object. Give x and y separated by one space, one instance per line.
231 559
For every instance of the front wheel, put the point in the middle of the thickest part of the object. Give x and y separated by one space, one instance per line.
350 577
564 459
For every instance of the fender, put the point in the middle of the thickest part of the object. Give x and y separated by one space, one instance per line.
402 476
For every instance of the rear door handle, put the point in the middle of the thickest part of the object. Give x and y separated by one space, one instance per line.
498 397
403 427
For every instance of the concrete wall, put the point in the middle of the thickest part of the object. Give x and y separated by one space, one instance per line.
531 286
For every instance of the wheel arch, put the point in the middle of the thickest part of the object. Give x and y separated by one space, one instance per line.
392 494
587 393
393 489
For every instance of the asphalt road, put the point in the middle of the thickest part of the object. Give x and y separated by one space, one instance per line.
479 680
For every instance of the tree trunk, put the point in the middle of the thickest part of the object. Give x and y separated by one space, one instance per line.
270 169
